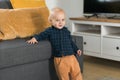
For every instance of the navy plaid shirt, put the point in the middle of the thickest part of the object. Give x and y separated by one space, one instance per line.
60 39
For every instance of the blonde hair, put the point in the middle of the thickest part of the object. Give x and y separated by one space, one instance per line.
54 12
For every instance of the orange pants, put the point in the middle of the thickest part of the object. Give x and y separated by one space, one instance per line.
67 68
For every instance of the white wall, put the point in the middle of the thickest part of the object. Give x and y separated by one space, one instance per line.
51 3
73 8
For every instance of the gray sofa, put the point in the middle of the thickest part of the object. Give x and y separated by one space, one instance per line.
5 4
22 61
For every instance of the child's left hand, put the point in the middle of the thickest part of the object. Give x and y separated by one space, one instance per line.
79 52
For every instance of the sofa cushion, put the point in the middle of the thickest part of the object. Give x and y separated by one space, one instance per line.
22 22
27 3
17 51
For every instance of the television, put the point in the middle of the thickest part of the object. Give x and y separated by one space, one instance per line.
102 6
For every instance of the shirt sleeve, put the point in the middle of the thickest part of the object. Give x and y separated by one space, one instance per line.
75 48
43 35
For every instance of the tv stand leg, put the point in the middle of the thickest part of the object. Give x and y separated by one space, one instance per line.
93 15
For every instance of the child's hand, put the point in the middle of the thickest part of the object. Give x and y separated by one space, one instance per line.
32 41
79 52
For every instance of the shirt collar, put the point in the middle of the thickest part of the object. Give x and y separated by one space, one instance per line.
59 29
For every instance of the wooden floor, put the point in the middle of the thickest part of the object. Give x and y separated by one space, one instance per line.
100 69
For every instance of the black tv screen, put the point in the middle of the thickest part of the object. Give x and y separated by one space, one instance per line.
102 6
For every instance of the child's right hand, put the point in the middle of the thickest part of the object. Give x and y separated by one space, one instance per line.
32 41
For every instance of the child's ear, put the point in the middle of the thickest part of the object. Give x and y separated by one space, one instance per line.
50 21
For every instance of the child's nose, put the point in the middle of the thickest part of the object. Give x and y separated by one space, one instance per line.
61 21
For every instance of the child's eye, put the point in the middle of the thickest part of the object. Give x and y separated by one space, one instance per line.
63 19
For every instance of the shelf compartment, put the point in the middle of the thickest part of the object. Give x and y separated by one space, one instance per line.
86 29
110 31
113 35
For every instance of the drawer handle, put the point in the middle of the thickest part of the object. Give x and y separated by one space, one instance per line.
85 43
117 48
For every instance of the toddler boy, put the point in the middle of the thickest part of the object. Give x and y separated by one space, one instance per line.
63 48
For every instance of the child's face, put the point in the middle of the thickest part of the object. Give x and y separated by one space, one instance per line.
59 20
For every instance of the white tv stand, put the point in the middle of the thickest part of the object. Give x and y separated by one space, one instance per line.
101 37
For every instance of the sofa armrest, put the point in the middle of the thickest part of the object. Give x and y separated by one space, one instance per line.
18 51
